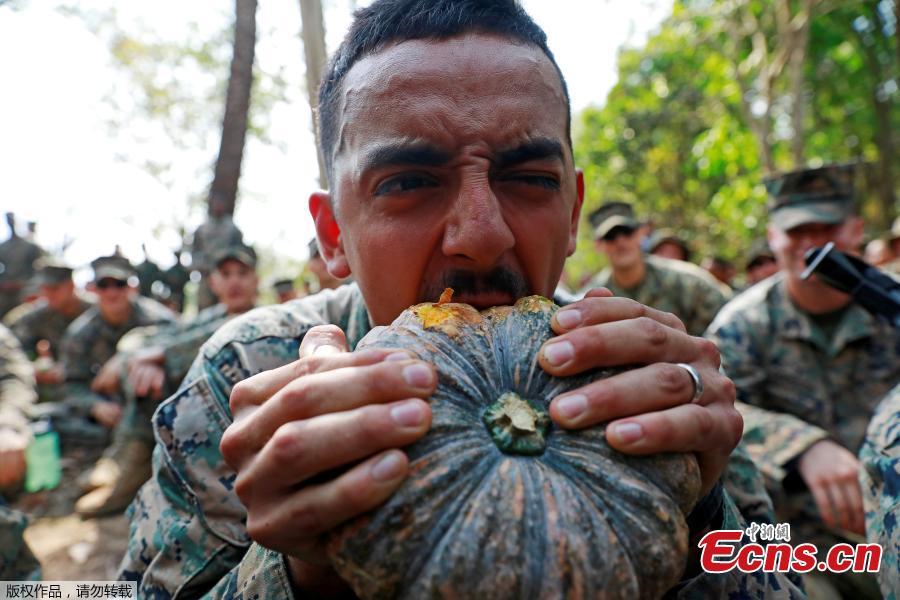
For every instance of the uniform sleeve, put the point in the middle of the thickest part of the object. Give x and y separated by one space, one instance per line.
880 479
773 439
17 386
703 306
188 536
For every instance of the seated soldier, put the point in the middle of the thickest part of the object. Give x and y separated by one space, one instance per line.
468 182
810 367
40 329
17 395
92 406
674 286
153 362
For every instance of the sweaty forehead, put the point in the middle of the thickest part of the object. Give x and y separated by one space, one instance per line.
471 87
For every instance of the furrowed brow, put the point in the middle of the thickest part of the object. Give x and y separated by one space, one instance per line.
536 149
414 154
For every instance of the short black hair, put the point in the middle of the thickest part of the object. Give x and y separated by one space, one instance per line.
387 21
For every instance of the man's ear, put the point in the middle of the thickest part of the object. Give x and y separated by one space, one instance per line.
576 212
329 233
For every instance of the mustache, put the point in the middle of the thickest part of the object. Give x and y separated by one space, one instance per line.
502 280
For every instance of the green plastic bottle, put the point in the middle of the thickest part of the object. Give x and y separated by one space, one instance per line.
43 470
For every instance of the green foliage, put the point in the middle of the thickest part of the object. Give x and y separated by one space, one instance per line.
674 139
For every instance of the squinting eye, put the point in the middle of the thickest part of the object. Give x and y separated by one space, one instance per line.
543 181
404 183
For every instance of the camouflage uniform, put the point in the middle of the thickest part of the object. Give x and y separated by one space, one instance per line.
17 256
148 272
674 286
797 386
880 456
88 344
17 388
188 531
17 394
40 322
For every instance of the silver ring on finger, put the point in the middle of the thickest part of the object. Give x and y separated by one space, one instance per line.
695 377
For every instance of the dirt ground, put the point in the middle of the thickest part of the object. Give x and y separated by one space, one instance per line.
71 548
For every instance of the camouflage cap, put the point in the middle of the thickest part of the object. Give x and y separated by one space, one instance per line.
239 252
283 286
759 249
113 267
611 215
822 195
50 272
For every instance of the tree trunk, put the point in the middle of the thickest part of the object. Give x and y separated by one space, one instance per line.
313 35
237 106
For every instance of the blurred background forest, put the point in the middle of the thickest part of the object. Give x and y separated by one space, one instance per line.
706 97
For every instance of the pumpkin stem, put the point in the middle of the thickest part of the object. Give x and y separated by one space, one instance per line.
516 425
446 296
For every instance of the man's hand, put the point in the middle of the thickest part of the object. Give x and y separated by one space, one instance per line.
314 443
12 457
831 472
106 381
106 413
146 377
649 408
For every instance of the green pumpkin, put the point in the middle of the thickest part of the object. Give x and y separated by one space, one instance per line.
500 502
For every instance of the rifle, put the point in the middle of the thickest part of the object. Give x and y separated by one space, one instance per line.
874 290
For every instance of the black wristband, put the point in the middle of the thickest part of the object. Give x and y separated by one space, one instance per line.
708 510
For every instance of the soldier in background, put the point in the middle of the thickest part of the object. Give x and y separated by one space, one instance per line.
664 243
148 273
682 288
17 395
721 268
17 257
176 277
760 262
91 405
285 290
153 362
323 279
810 367
219 231
40 329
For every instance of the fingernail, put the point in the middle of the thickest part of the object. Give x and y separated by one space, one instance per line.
388 468
628 433
571 406
408 414
417 375
558 353
569 317
393 356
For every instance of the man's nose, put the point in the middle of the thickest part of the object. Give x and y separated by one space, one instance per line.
476 227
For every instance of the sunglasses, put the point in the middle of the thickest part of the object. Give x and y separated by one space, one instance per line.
105 284
615 232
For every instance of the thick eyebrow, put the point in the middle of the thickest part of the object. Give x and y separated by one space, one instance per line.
419 154
535 149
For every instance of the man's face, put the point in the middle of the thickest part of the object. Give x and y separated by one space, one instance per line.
113 296
452 169
790 246
235 284
669 250
761 269
58 295
622 246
